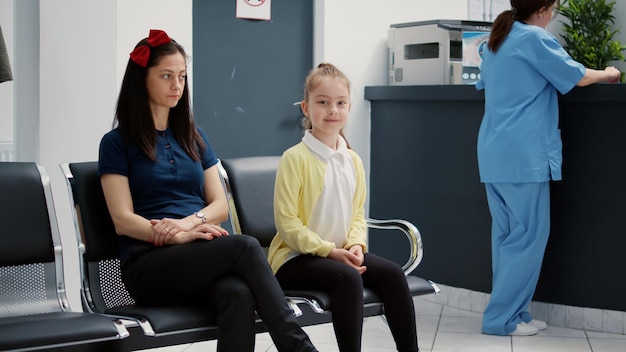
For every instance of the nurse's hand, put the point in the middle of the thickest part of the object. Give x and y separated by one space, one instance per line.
614 74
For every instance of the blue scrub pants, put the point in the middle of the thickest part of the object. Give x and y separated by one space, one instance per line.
520 215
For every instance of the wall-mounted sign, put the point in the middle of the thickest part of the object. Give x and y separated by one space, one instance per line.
486 10
254 9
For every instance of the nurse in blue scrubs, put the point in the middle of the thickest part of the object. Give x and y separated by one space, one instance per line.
519 152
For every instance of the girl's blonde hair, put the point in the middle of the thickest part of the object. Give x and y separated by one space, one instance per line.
313 79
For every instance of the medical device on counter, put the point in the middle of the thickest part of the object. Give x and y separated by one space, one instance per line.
436 52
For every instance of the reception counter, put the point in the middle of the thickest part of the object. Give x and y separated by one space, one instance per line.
424 169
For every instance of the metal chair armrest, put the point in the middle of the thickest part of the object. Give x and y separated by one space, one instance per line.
412 234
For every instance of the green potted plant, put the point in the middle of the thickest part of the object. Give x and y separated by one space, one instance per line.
589 35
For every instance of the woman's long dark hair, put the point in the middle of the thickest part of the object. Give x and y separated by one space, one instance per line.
133 116
520 10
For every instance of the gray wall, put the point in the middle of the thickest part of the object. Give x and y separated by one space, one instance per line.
249 73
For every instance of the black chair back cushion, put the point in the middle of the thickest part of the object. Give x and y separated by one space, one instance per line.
23 205
252 184
99 231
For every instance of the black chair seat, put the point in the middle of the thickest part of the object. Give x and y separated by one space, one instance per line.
168 319
55 329
417 286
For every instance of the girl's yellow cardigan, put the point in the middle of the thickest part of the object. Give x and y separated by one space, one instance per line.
299 183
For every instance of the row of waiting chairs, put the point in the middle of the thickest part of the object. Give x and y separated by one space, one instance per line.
34 312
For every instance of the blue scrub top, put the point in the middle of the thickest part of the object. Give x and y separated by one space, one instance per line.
519 139
172 186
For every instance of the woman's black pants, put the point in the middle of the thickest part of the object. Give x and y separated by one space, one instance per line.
230 278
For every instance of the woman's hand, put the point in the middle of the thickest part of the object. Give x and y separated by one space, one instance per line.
350 257
163 230
177 231
200 232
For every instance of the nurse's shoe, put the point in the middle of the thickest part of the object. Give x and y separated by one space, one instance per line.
524 329
539 324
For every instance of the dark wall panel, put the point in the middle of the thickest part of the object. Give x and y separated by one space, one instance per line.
248 74
424 169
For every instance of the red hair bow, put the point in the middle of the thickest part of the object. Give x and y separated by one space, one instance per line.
141 54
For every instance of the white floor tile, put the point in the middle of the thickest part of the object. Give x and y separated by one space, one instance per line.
604 335
426 340
549 344
465 299
456 342
460 313
479 301
442 328
574 317
557 331
612 321
202 347
540 310
376 335
557 314
608 345
593 319
460 325
423 308
321 335
427 324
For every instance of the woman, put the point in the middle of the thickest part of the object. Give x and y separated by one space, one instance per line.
519 152
159 177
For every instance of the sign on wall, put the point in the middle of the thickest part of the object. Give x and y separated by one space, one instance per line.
254 9
486 10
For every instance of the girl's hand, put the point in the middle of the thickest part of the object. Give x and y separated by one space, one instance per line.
347 257
357 250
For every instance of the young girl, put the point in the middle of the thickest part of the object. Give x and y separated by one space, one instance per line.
319 212
519 151
159 176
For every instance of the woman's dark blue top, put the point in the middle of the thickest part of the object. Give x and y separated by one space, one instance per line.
172 186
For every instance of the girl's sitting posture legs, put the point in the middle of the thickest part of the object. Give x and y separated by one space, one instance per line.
387 279
308 272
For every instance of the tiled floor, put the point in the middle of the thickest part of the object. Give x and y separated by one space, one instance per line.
445 329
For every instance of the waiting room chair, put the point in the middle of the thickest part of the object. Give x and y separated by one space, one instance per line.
34 310
249 185
102 288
